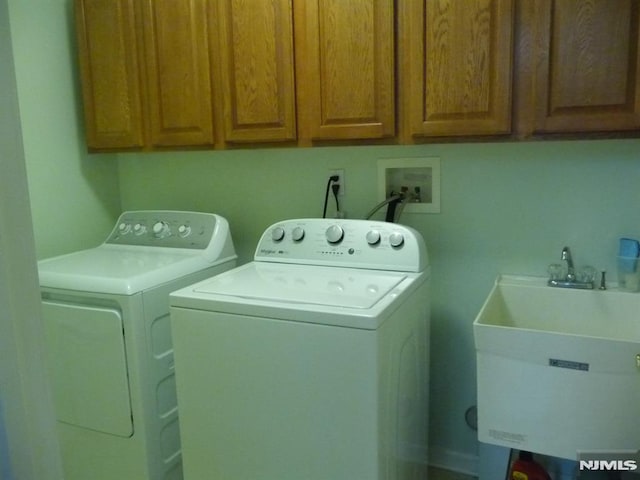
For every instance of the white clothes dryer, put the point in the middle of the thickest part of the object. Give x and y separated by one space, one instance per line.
108 341
312 361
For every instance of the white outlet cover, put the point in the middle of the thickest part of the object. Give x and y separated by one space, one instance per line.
423 172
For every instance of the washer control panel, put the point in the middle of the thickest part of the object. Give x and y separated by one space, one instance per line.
164 228
352 243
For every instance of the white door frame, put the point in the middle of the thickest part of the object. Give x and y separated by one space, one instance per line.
28 442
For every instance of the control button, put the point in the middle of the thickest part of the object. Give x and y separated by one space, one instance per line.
161 229
277 234
373 237
334 234
124 228
139 229
297 234
396 239
184 230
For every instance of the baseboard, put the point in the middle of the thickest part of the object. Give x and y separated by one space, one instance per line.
451 460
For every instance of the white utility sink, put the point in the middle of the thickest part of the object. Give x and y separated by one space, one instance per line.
558 369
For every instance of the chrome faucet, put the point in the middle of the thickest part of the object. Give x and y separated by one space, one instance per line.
571 271
570 280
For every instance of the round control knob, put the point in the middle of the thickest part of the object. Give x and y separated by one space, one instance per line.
373 237
124 228
139 229
184 230
396 239
334 234
297 234
277 234
160 229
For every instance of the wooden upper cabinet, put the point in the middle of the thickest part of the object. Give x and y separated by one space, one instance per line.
111 75
345 68
584 66
253 46
456 60
178 80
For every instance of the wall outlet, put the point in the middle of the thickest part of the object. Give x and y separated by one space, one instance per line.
417 178
340 173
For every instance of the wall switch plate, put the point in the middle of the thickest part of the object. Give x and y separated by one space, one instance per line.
418 178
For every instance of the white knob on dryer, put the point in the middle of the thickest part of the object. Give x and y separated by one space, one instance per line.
396 239
297 234
373 237
139 229
184 230
277 234
160 229
334 234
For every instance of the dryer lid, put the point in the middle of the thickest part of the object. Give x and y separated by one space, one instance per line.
120 269
304 284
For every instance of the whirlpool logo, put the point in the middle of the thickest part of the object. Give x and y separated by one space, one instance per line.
627 461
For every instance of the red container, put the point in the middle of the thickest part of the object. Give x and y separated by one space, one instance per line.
526 468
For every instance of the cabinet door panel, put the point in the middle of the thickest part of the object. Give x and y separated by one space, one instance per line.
110 72
587 77
255 44
458 64
345 68
178 82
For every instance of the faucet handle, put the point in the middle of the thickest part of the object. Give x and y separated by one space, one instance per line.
587 274
556 271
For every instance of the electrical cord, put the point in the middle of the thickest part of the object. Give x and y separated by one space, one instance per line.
332 178
335 188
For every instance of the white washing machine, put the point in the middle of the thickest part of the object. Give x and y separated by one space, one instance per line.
108 339
311 362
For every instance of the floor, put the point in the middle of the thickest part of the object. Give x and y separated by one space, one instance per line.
440 474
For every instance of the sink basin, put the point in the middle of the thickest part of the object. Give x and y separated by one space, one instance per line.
529 303
558 369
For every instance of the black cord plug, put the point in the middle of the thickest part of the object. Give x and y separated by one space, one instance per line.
335 188
332 179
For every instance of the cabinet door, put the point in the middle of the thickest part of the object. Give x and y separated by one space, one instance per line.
110 73
254 44
178 82
457 62
345 68
586 73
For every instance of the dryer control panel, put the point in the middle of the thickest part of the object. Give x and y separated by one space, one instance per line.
164 228
351 243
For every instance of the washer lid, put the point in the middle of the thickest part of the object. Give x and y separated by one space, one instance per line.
304 284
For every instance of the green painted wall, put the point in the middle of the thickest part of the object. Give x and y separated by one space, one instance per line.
506 208
74 196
